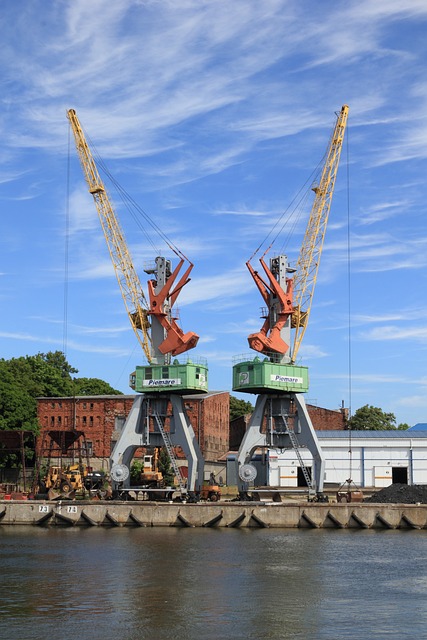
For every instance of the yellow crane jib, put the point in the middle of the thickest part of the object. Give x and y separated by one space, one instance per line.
307 266
129 283
288 292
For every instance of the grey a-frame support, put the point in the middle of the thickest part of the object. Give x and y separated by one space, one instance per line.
281 421
140 430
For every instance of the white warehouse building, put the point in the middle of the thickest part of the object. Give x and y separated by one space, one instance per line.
369 458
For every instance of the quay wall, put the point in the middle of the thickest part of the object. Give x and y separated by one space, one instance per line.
220 514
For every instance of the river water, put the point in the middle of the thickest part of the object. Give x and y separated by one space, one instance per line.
211 584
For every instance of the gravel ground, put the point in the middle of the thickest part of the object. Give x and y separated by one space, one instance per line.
400 494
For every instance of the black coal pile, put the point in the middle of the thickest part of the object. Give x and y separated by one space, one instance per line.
400 494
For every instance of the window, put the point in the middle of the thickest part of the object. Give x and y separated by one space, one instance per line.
119 422
165 373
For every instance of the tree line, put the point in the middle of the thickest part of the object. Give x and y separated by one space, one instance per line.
366 418
26 378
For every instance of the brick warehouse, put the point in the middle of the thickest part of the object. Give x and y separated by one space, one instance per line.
101 419
322 420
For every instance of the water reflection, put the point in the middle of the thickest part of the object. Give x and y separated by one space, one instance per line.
160 583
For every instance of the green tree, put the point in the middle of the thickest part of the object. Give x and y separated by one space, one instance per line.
93 387
369 418
403 426
24 379
136 469
43 374
239 408
164 465
17 406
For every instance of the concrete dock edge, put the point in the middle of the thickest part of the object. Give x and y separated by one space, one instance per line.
219 514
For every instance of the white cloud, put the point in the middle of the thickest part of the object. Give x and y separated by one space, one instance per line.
396 333
215 112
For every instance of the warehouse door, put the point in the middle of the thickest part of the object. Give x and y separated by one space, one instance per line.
400 475
302 482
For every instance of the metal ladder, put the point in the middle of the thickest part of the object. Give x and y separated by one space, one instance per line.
295 444
169 449
296 447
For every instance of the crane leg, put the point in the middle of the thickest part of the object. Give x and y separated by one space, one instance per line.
137 433
279 421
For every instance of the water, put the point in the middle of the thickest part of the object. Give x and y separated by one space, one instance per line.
211 584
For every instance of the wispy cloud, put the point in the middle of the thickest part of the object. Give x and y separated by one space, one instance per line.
213 114
396 333
49 342
383 211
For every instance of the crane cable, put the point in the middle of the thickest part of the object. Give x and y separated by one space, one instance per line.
292 215
133 207
350 450
66 252
291 218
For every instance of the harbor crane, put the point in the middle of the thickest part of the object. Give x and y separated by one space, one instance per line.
280 419
164 380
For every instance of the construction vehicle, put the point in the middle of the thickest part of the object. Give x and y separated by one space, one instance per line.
276 378
155 324
150 474
94 480
210 492
67 482
63 483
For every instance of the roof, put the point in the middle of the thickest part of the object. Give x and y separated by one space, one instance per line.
201 396
132 396
377 434
119 396
420 426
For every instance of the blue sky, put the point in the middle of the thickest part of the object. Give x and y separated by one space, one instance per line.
212 115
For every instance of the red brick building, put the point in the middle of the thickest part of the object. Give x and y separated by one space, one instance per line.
210 418
101 418
322 420
328 419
